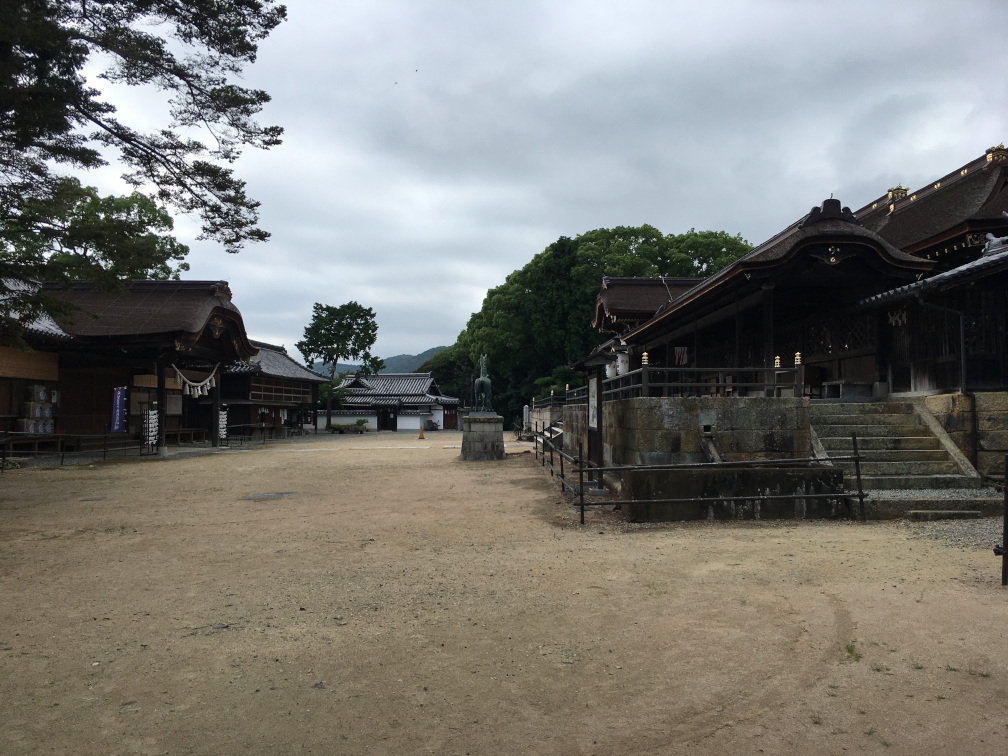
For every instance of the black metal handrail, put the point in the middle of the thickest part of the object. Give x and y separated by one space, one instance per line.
582 466
110 442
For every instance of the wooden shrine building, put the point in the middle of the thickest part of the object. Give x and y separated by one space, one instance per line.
151 360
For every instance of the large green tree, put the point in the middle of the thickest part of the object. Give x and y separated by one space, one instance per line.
55 124
335 333
539 320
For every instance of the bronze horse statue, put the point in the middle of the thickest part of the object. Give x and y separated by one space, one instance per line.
482 387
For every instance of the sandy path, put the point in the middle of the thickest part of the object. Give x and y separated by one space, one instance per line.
401 601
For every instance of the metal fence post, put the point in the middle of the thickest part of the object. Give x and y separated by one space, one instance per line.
857 473
581 480
1004 536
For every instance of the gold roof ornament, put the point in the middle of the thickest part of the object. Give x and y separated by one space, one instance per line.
997 154
897 192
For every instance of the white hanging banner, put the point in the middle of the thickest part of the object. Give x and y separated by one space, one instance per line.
151 427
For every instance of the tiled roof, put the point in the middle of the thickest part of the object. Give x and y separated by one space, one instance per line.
993 261
47 327
43 325
975 192
393 390
274 362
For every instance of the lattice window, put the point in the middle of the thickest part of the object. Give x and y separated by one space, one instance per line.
278 390
986 328
828 336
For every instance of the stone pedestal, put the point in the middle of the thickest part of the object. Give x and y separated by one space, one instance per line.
482 437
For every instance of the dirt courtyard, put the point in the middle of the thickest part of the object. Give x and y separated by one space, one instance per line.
397 600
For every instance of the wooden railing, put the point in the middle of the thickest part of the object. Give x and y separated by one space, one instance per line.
650 381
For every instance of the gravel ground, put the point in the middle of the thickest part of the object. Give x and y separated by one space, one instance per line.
376 595
978 535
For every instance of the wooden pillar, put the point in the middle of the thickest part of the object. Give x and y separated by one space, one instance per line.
215 420
768 325
595 429
162 399
739 336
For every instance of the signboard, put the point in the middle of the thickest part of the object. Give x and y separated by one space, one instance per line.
593 402
119 409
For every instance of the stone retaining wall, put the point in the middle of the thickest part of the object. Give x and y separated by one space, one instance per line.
955 413
667 430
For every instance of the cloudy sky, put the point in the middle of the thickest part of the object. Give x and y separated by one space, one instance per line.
433 147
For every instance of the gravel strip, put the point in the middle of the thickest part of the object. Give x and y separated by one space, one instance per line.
976 535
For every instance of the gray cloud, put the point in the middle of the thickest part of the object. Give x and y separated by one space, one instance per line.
432 148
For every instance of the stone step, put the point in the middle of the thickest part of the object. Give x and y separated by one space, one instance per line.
842 444
870 467
887 505
870 431
895 455
820 409
911 482
860 421
921 515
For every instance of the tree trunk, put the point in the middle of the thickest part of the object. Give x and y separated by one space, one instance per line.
332 378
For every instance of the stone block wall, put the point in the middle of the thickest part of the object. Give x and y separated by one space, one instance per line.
734 493
547 416
667 430
482 438
955 413
575 423
992 432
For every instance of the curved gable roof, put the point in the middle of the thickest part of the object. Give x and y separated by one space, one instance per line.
154 310
828 223
274 362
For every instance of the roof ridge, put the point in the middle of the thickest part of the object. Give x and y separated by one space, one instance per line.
954 176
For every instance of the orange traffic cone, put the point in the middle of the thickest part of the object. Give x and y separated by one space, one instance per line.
421 432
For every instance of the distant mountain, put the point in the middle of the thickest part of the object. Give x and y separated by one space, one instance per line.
400 363
408 363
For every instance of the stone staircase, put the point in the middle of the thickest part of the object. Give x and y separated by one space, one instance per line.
554 433
901 447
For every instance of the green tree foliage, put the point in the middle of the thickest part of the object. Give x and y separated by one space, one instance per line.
539 320
452 370
53 123
348 331
78 235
